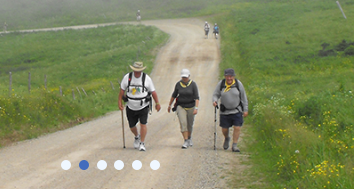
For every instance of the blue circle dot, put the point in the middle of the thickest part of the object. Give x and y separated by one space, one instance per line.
84 165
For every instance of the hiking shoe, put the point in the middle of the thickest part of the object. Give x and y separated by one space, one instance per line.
137 142
235 148
226 143
185 145
142 146
190 143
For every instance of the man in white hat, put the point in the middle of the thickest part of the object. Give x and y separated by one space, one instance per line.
138 87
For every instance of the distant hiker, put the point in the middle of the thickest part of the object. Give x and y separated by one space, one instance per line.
138 87
206 29
233 106
138 17
216 30
5 27
186 105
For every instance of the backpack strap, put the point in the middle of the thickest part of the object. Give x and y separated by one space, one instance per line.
147 97
237 87
130 80
222 84
143 81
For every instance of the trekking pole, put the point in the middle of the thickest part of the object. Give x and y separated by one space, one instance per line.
216 107
123 129
122 117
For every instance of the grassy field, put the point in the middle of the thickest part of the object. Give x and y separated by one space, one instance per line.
24 14
295 59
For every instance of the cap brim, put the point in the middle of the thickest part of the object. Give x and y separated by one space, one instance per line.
137 69
185 75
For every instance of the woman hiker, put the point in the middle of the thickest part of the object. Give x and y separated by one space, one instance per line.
187 101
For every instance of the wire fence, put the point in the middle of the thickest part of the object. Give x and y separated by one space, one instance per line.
78 90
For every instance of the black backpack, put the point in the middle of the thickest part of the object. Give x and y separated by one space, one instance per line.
233 86
206 27
142 80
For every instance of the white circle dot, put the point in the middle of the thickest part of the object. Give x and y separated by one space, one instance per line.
155 165
137 165
119 165
102 165
66 165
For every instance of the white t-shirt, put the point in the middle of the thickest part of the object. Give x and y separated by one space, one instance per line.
135 90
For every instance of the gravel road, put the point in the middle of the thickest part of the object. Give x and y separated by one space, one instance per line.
37 163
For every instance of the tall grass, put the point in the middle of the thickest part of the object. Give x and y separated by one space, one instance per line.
301 100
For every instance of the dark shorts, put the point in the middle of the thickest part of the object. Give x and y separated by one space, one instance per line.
135 116
227 121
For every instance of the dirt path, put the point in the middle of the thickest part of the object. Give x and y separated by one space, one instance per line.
37 163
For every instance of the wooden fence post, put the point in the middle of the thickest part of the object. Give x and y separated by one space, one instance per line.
73 93
45 82
10 87
29 82
112 85
78 91
340 8
84 91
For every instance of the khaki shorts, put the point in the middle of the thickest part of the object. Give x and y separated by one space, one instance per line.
186 118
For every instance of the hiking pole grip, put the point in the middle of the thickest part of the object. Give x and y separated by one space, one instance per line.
123 128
